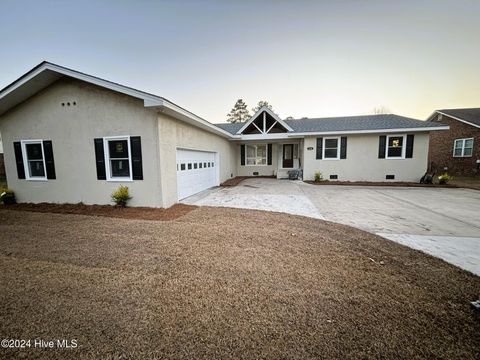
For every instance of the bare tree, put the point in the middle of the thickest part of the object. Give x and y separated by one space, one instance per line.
381 110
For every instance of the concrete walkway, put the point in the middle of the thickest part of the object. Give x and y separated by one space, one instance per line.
442 222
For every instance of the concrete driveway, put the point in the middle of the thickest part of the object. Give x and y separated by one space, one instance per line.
442 222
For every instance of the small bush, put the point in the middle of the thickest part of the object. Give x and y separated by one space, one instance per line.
7 196
121 196
444 178
318 176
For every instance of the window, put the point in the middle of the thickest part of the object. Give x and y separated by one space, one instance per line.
195 165
331 148
118 158
256 154
34 159
395 147
463 147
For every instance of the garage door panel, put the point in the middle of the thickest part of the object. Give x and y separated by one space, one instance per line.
196 171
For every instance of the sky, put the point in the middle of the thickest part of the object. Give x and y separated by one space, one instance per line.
306 58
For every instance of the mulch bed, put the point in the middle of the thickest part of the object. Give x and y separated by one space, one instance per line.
238 179
223 283
144 213
380 183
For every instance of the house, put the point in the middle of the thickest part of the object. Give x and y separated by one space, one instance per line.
70 137
456 151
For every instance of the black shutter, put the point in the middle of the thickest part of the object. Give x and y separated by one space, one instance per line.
19 159
343 147
269 154
49 163
242 154
100 159
382 147
136 151
409 150
319 148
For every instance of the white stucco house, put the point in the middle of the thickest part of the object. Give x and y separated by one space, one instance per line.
69 137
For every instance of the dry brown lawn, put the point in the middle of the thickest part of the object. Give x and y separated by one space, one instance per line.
222 283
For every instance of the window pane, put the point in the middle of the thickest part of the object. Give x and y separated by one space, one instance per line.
34 151
467 152
182 167
395 152
262 151
195 165
120 168
395 141
250 151
469 143
458 152
330 153
190 166
118 149
251 161
458 144
331 143
36 168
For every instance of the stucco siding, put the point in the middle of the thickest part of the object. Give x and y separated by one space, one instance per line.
72 129
175 134
362 162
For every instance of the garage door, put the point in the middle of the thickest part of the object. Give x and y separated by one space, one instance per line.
196 171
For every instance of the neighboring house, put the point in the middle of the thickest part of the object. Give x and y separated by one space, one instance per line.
70 137
456 151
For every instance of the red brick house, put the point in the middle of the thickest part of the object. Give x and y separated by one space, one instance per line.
456 151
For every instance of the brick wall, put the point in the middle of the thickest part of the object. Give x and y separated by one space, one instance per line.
440 154
2 166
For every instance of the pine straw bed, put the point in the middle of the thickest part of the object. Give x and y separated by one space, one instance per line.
222 283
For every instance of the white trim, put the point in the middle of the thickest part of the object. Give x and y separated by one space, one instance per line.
25 160
280 136
149 100
463 140
256 156
338 138
106 151
254 117
456 118
404 147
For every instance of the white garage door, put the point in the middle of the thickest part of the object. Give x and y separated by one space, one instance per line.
196 171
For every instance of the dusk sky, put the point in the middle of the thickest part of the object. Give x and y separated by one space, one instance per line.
307 58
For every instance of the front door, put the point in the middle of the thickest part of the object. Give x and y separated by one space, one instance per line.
287 156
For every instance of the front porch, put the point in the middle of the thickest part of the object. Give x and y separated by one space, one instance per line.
275 158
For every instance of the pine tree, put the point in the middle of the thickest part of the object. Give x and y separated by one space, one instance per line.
239 113
261 104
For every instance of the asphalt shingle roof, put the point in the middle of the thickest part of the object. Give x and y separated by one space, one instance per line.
471 115
347 123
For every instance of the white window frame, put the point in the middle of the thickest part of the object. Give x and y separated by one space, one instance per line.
338 138
404 147
463 140
24 144
106 148
256 155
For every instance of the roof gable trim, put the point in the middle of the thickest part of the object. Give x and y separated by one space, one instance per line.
264 131
457 118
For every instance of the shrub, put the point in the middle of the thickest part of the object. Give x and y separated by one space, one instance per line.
444 178
318 176
7 196
121 196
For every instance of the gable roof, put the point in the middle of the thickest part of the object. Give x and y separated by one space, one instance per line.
470 116
46 73
257 114
351 124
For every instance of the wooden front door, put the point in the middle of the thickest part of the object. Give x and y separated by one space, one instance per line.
287 156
